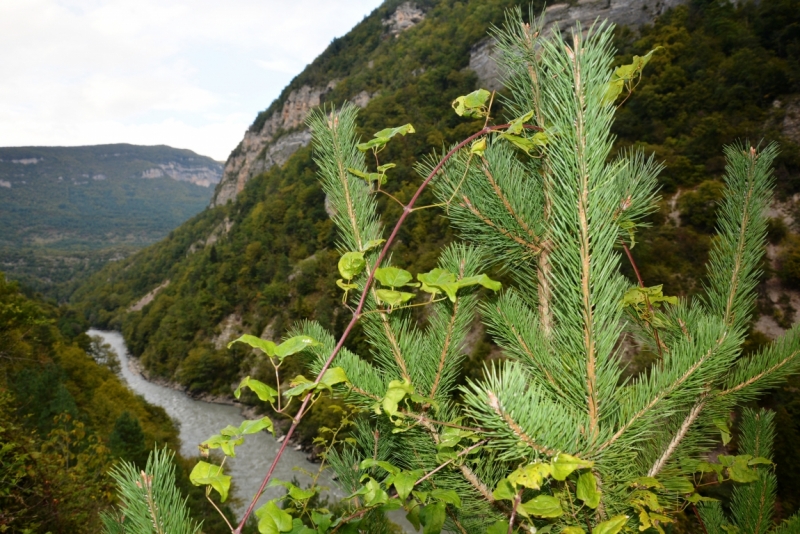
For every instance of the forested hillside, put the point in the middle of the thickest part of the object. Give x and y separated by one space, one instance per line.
258 263
66 211
65 419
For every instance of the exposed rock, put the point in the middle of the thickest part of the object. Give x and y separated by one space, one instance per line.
562 16
229 328
147 299
271 145
791 119
406 16
5 183
201 175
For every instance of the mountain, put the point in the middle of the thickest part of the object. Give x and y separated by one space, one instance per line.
68 210
264 254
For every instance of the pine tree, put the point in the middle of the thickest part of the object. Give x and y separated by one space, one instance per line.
556 438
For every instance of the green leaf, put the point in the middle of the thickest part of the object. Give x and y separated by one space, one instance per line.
386 466
294 345
399 130
572 530
300 385
647 482
256 425
413 516
724 430
393 298
322 521
646 498
516 126
447 496
504 491
531 476
563 465
404 483
346 287
351 264
500 527
482 280
587 490
385 167
472 105
392 276
740 471
394 394
299 528
695 498
478 147
369 176
625 73
524 143
372 243
296 493
263 391
206 474
611 526
273 518
432 518
267 347
760 461
543 506
384 136
333 376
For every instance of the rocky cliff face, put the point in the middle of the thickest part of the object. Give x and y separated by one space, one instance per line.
283 133
562 16
201 175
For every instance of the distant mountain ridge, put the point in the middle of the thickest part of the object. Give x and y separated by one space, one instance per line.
63 209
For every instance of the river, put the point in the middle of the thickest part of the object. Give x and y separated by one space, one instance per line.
200 420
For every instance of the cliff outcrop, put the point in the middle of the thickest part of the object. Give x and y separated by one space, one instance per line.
561 17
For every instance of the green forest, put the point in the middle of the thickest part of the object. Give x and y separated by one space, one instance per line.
724 72
67 211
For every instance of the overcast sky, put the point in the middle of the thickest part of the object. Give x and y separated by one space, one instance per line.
189 74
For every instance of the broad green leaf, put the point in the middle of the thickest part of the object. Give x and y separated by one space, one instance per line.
346 287
724 430
300 385
393 298
322 521
740 471
394 394
392 276
432 282
206 474
482 280
472 105
760 461
625 73
563 465
611 526
399 130
524 143
385 167
587 490
680 485
376 144
333 376
267 347
646 498
374 495
478 147
299 528
386 466
432 517
256 425
372 243
263 391
543 506
351 264
296 493
530 476
516 126
404 483
294 345
447 496
413 516
500 527
572 530
730 529
504 491
227 443
273 518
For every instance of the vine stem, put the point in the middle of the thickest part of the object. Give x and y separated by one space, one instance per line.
357 313
647 300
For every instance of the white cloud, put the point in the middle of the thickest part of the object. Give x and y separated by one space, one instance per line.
191 74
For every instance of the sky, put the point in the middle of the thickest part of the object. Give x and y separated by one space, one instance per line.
189 74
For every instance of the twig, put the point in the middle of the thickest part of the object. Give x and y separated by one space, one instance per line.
646 300
451 460
700 519
360 307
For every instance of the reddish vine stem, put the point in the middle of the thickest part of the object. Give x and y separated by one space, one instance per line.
700 519
357 313
647 300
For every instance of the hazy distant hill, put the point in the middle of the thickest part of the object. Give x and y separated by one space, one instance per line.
65 210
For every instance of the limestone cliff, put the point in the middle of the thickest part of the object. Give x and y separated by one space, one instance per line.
562 16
